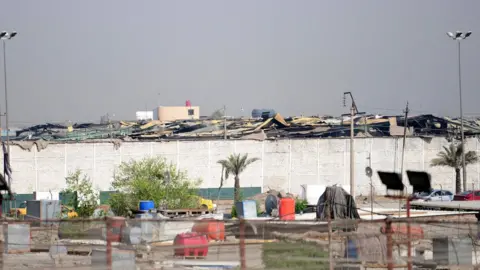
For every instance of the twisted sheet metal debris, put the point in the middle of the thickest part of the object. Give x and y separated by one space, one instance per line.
241 128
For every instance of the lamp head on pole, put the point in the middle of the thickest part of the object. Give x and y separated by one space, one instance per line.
458 35
6 35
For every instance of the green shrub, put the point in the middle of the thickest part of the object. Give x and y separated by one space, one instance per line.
233 212
300 205
151 179
84 199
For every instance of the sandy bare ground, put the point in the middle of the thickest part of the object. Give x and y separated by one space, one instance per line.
42 260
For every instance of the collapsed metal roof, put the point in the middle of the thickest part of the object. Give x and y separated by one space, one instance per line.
242 128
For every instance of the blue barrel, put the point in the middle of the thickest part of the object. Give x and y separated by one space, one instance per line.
146 205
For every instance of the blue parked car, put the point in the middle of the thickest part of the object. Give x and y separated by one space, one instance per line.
434 195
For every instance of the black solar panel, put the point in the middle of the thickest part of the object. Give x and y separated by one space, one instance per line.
392 180
420 181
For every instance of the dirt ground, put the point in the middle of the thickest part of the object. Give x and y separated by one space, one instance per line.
43 261
223 253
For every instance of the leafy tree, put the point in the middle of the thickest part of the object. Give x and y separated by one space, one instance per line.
452 157
85 197
235 164
151 179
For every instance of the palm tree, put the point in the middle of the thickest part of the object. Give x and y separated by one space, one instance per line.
234 164
452 157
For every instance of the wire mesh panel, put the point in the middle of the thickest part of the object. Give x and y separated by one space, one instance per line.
259 244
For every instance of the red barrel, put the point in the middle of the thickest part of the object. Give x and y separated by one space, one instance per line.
212 228
287 209
116 225
190 245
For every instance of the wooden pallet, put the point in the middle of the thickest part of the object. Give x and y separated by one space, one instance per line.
184 212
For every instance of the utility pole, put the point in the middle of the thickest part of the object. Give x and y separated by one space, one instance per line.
224 122
405 128
352 152
353 112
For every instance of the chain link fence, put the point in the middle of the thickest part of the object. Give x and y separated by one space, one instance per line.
117 243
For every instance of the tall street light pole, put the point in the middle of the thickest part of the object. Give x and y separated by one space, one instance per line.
6 36
459 36
353 112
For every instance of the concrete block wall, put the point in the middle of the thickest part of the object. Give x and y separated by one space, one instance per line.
283 164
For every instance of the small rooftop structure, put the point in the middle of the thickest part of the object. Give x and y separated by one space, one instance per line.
174 113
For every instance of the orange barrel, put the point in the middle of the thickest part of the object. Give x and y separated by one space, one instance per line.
212 228
287 209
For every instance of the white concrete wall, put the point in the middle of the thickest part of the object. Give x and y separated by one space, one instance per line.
284 164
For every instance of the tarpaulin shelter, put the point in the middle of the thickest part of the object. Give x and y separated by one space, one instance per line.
341 204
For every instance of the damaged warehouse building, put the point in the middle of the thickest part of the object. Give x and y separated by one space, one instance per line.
245 128
293 151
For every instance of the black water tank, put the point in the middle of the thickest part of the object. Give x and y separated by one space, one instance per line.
271 202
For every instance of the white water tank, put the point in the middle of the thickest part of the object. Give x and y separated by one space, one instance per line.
144 115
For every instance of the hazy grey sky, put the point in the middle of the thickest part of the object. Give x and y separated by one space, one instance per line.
77 60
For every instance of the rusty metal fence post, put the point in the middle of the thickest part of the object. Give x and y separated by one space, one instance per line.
2 244
409 237
388 231
243 261
109 242
329 220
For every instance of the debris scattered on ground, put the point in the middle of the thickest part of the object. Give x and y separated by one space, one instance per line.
261 197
